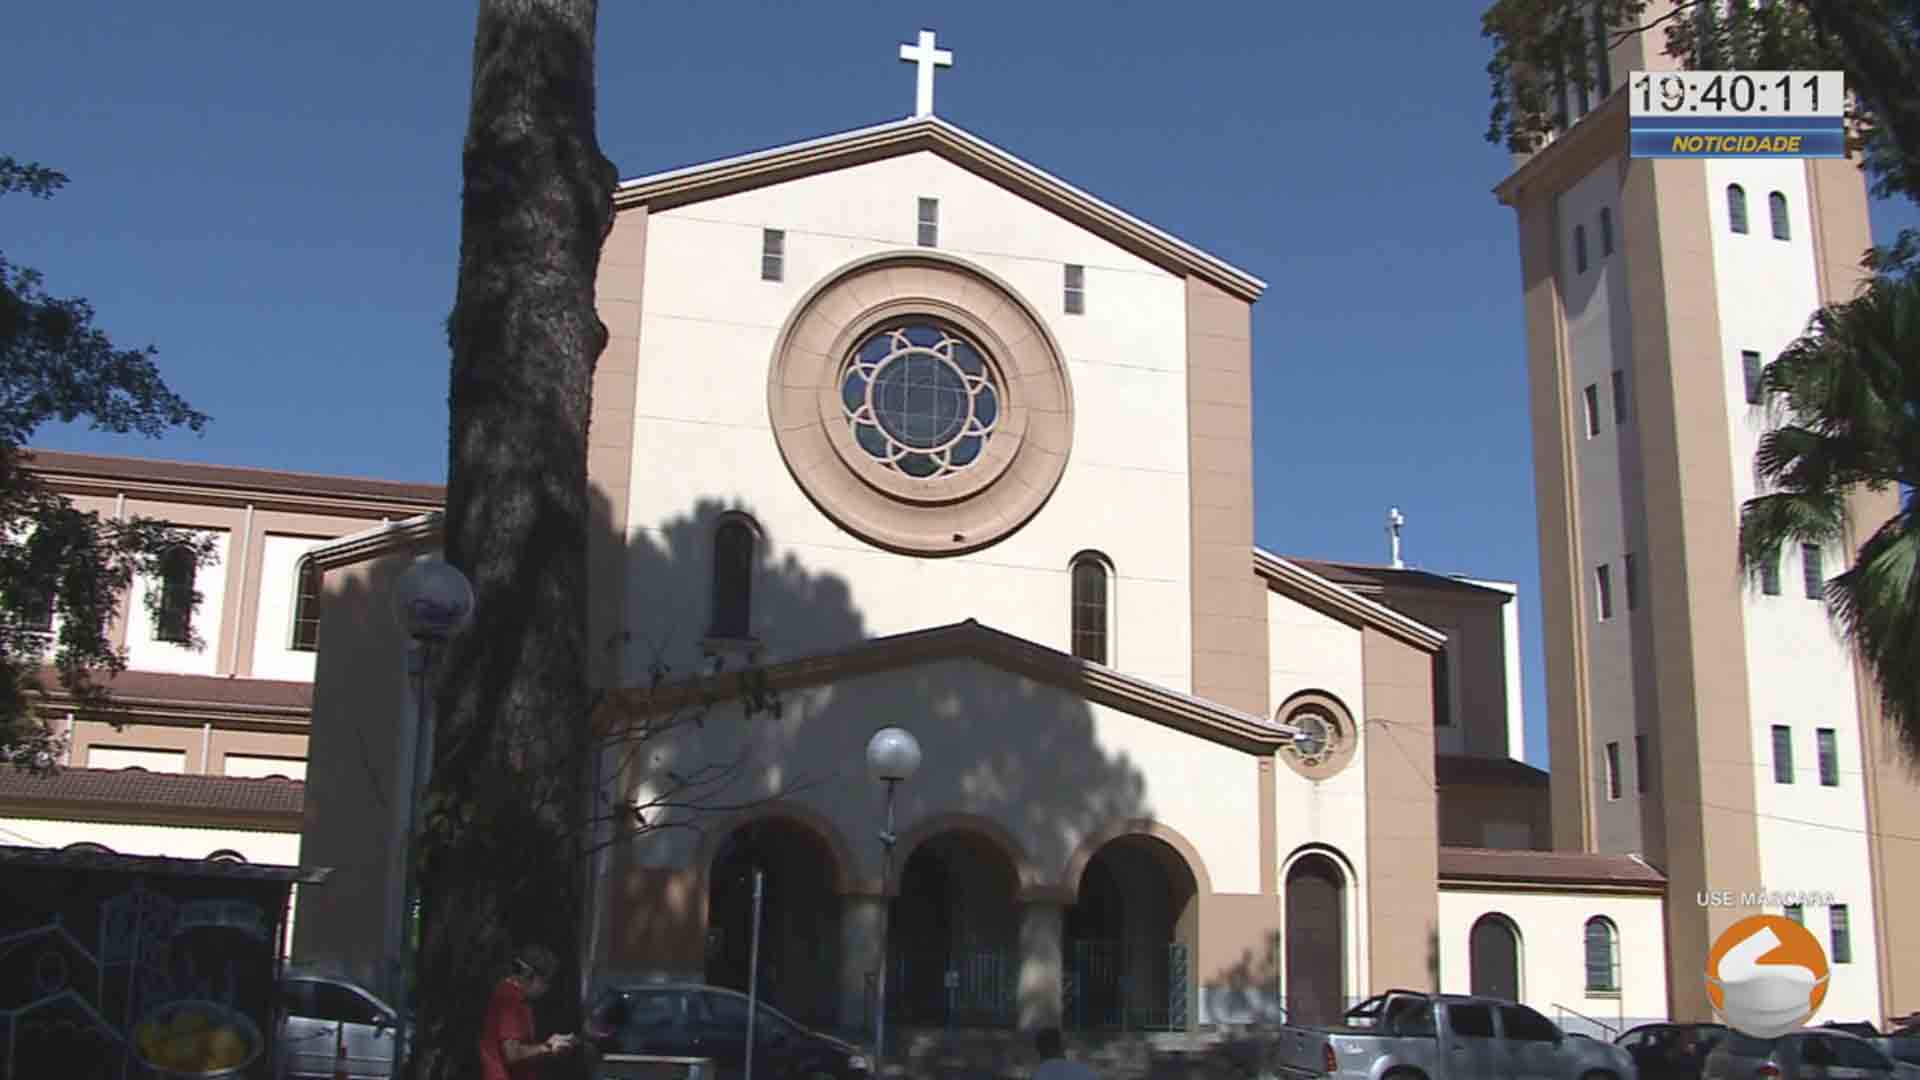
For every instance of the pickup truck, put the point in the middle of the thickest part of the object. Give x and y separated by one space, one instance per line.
1409 1035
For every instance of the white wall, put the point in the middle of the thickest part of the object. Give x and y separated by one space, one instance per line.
279 848
1812 838
273 657
1553 950
1597 339
146 654
701 431
1042 763
261 765
121 757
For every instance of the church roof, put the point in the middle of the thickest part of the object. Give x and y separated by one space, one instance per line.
973 641
1371 579
118 793
14 857
1337 600
696 183
1510 867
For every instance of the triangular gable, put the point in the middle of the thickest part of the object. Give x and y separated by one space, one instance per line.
697 183
1296 582
1095 683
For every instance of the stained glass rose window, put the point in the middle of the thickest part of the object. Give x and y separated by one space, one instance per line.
920 398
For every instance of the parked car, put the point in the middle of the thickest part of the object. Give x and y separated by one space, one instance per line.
1804 1055
688 1020
1671 1051
325 1012
1443 1037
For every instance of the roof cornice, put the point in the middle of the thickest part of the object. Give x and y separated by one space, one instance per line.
696 183
1341 603
107 476
1553 168
972 641
369 543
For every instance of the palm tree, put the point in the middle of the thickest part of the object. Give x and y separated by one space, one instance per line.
1845 404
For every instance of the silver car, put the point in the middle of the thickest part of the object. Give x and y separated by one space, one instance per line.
1817 1054
326 1015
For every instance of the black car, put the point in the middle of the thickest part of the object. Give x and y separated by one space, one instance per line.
687 1020
1671 1051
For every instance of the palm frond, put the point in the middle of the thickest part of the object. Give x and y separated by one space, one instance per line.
1875 601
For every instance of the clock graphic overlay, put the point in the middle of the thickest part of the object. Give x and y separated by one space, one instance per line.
1790 114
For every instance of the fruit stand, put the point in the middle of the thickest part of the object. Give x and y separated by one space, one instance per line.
122 967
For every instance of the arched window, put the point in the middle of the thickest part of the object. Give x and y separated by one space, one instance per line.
1091 587
1603 956
1579 249
173 621
306 607
733 544
1777 206
226 855
89 847
1737 207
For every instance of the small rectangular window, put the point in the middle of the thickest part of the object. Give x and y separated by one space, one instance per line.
929 222
1827 743
1640 764
773 255
1579 249
1613 770
1842 943
1591 398
1770 576
1797 914
1812 574
1603 591
1442 689
1606 231
1630 580
1751 369
1076 289
1619 399
1782 754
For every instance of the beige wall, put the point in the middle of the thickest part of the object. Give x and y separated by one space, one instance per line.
1402 878
354 796
1496 817
1476 632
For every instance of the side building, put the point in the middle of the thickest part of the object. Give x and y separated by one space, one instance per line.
208 755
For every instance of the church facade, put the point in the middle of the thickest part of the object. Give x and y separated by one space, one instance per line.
929 438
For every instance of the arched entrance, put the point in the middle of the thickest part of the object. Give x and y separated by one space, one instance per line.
1493 958
1129 939
1315 984
799 920
953 935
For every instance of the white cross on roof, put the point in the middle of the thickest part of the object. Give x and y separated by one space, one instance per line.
927 58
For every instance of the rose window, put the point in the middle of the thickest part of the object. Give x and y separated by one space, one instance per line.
1319 736
920 398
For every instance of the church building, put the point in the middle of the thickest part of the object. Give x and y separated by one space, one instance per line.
929 438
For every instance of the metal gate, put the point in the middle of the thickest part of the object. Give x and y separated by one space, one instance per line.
1131 986
973 988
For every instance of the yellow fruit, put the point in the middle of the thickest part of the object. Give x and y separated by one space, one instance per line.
226 1048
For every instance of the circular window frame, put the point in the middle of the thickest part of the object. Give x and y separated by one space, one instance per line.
1346 735
970 508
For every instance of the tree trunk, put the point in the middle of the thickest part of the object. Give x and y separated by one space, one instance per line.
500 865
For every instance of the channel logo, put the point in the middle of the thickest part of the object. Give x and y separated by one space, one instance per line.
1766 976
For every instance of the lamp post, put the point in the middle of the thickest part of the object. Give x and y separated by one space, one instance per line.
893 756
433 601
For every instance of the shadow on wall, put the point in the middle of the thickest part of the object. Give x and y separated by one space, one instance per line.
1253 990
1020 788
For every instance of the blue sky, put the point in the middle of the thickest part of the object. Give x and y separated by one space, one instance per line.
270 193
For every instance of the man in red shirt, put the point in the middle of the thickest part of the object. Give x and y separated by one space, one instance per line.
508 1050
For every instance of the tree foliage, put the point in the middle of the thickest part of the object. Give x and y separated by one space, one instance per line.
63 570
1545 54
1845 404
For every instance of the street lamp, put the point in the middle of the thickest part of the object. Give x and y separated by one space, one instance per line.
433 601
893 756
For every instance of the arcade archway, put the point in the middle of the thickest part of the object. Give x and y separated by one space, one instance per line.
799 922
954 934
1129 940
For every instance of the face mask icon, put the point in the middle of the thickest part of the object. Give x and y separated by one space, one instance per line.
1767 975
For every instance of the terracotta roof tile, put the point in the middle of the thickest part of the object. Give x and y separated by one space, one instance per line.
138 787
1547 867
215 690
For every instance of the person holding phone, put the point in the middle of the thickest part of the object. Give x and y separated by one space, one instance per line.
508 1050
